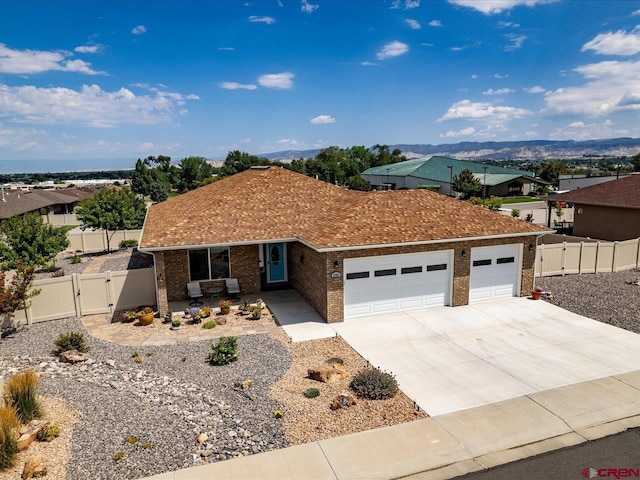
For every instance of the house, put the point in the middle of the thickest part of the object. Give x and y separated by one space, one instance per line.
575 181
348 253
436 173
49 203
606 211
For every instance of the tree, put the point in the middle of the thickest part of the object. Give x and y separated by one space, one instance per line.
153 182
112 210
238 161
467 184
358 183
28 240
636 162
550 171
193 171
14 294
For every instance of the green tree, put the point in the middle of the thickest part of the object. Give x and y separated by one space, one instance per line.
193 171
110 211
550 171
358 183
636 162
153 182
238 161
28 240
15 293
465 183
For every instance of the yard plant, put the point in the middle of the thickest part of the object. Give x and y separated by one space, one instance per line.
9 424
374 384
70 341
21 392
224 352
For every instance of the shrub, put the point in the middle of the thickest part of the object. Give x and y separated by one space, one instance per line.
48 433
21 392
224 352
374 384
493 203
209 325
132 243
70 341
75 259
515 213
311 393
337 360
9 423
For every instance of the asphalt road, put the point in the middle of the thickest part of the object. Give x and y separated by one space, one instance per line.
609 457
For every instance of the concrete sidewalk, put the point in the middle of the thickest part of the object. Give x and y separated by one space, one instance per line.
452 444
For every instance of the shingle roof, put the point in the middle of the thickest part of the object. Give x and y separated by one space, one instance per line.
19 202
278 204
623 193
437 168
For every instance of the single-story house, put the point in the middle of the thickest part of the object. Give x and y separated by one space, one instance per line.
606 211
348 253
46 202
436 173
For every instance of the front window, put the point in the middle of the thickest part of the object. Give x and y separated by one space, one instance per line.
209 263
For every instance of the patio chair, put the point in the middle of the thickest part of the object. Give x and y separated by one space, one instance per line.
195 292
233 286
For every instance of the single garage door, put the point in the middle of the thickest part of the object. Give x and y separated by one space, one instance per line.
495 272
393 283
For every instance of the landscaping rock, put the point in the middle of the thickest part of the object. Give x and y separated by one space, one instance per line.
30 466
344 400
26 439
246 385
327 373
73 356
203 437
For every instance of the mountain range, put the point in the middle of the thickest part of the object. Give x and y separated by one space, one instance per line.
516 150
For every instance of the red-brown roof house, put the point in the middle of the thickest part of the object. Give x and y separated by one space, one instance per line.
606 211
348 253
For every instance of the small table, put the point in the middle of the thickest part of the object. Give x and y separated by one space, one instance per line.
213 291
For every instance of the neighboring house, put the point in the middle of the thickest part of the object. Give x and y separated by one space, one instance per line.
573 182
606 211
436 173
49 203
348 253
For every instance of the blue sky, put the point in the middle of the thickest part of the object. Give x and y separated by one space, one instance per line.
86 83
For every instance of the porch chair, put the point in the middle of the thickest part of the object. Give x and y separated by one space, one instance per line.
233 286
195 292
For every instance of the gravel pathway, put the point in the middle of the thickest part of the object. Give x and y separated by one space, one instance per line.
165 401
606 297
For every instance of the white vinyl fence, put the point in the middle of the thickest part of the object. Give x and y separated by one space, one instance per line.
95 240
587 257
86 294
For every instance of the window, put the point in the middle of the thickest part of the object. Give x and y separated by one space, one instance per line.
385 273
411 270
481 263
435 268
209 263
356 275
506 260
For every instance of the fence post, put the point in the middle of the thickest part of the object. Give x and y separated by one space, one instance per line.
109 285
613 259
27 314
638 253
82 240
564 254
75 284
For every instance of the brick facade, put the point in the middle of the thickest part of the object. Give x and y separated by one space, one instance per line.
245 266
308 275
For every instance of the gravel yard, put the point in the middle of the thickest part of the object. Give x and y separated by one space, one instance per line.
606 297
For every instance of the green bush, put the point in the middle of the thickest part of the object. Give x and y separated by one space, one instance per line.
224 352
131 243
9 423
374 384
515 213
311 393
70 341
21 392
493 203
209 325
48 433
337 360
75 259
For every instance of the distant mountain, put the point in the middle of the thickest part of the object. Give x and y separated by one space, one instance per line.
517 150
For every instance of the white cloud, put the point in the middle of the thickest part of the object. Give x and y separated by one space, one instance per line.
226 49
406 4
424 44
38 61
257 19
468 110
88 49
322 120
456 49
276 80
535 89
615 43
589 131
370 64
499 75
139 30
475 76
516 41
414 24
435 23
508 25
236 86
392 49
636 13
307 7
611 87
89 106
459 133
489 7
500 91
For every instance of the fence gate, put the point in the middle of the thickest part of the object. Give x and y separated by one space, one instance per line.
93 293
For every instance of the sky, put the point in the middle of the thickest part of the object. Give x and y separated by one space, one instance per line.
97 84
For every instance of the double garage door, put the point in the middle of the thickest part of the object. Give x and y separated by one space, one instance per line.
393 283
413 281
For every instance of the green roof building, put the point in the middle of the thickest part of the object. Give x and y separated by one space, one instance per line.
436 173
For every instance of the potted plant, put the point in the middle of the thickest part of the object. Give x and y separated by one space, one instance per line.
175 324
187 313
536 293
256 311
129 316
225 306
245 307
168 316
145 316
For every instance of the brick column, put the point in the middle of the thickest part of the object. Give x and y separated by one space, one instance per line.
161 283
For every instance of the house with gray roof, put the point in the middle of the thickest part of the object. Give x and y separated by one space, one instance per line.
436 173
46 202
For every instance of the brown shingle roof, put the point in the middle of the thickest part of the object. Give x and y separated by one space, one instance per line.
623 193
275 203
18 202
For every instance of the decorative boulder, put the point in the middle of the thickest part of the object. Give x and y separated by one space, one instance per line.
327 373
344 400
28 437
73 356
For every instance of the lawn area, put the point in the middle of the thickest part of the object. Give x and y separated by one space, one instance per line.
508 200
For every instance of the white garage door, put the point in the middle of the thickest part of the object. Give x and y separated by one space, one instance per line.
393 283
495 272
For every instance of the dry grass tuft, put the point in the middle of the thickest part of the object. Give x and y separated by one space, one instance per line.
21 392
9 424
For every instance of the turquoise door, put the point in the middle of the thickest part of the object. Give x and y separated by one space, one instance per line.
276 263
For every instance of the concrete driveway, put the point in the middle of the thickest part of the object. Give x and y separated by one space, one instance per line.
451 359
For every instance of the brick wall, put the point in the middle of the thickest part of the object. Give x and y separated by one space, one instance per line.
176 265
245 266
161 272
308 277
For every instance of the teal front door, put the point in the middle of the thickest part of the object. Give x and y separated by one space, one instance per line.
276 263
